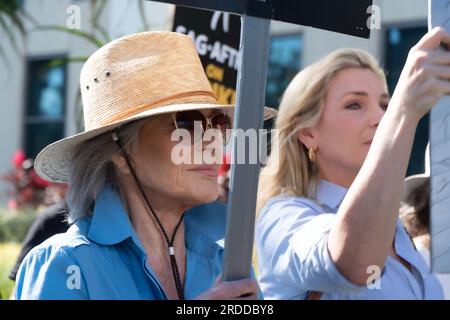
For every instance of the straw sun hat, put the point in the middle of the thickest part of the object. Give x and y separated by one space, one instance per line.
130 78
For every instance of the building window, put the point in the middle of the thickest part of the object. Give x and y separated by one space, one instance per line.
398 43
45 104
284 63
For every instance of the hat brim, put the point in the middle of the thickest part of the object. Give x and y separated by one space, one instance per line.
53 162
411 183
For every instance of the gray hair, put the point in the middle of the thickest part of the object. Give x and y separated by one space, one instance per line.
92 169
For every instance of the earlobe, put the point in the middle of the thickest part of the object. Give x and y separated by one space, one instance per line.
120 164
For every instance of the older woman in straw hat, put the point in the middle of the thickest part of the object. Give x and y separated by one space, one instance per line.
133 235
328 222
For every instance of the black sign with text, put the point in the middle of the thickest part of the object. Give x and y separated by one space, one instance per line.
344 16
216 35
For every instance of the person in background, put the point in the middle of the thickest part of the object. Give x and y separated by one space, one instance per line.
48 222
415 216
328 225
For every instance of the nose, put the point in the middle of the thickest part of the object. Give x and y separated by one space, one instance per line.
376 115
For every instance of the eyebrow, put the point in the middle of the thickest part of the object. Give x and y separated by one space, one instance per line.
364 94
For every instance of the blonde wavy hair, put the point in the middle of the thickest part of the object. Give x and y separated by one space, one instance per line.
301 107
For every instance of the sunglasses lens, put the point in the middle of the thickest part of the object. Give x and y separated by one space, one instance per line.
222 122
189 119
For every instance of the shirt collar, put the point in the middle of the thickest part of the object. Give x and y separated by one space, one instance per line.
111 225
110 222
205 228
201 243
330 194
404 246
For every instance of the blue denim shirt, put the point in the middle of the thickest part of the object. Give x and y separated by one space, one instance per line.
291 238
101 257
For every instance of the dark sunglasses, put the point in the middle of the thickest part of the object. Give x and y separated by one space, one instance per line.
188 120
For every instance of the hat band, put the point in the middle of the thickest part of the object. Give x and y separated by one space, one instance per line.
184 97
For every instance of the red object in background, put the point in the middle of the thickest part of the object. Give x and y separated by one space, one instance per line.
18 159
12 204
38 181
28 189
225 164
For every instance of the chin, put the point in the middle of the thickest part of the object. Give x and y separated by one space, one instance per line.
205 192
211 197
363 156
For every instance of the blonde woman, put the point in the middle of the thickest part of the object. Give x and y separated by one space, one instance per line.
328 222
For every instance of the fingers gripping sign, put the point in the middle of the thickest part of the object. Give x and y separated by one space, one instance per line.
424 79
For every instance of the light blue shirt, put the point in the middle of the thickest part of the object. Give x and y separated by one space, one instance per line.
291 239
102 258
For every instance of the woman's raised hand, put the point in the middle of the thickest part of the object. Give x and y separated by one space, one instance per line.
426 75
